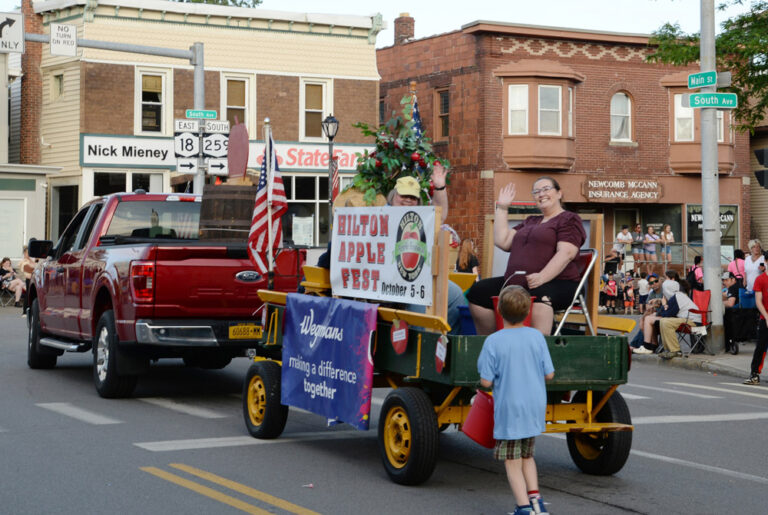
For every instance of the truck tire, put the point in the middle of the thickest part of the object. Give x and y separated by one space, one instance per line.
37 357
264 415
109 384
408 436
602 454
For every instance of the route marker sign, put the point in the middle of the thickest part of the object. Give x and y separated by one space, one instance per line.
185 125
215 145
716 100
218 167
186 144
219 126
186 165
201 114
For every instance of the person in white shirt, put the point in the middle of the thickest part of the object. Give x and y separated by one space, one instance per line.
623 238
643 289
752 262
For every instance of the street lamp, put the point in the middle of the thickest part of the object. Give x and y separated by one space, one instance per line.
330 128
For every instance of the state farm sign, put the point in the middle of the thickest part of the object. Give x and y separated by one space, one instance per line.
621 189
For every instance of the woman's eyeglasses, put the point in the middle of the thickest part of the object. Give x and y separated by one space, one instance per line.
539 191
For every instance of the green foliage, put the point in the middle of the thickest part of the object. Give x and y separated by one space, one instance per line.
741 48
232 3
396 146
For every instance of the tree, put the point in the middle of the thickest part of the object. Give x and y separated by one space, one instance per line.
232 3
741 48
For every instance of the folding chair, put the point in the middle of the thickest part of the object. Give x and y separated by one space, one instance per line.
586 262
7 297
694 331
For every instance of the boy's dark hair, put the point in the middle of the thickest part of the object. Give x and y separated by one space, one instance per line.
514 304
643 275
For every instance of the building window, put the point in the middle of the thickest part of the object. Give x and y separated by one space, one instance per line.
550 101
621 117
683 120
57 86
570 112
720 127
306 221
315 101
105 183
382 111
518 109
153 102
442 109
236 104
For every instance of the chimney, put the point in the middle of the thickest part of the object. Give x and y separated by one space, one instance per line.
403 28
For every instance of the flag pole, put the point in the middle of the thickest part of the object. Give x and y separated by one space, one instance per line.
268 167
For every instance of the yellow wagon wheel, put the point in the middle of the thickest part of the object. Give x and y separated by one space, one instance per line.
264 416
408 436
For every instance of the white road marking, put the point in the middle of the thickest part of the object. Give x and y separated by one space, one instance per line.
726 390
685 463
632 396
677 419
181 407
235 441
67 409
668 390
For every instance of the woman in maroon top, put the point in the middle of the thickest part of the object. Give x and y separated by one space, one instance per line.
542 250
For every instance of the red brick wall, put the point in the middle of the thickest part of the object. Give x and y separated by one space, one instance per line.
107 98
355 101
184 92
277 98
31 89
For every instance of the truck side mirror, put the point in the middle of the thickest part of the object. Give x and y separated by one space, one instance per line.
39 248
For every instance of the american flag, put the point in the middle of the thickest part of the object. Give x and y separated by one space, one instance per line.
416 119
257 238
335 178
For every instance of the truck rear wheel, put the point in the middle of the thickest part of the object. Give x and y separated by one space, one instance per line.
408 436
602 454
36 356
264 416
109 384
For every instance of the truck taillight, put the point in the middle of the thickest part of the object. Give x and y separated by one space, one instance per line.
143 281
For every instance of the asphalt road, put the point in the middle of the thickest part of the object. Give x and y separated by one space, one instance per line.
180 446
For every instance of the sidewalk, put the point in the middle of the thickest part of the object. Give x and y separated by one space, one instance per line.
723 363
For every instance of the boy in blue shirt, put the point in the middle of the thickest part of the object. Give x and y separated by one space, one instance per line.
515 361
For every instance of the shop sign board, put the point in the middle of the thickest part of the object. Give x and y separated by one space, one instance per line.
621 189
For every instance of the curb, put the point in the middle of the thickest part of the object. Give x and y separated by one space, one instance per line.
707 365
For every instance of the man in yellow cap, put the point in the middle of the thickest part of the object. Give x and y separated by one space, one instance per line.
407 191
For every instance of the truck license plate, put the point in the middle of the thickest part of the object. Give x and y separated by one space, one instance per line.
244 331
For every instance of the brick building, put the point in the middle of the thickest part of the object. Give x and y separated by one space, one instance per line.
106 117
510 103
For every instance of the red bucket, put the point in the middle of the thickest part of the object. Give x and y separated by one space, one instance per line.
500 320
479 423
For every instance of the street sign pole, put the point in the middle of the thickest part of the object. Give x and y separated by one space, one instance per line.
199 104
710 192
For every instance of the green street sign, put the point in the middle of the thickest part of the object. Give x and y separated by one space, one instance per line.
702 80
716 100
199 113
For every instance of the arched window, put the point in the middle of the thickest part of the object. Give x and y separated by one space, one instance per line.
621 117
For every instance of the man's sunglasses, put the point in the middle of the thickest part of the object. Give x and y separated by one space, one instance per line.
652 282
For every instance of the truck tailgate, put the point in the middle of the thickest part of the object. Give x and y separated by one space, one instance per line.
201 282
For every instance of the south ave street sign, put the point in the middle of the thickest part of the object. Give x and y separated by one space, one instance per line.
716 100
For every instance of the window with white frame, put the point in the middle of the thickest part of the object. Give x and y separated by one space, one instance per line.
550 106
570 112
518 109
315 101
720 127
153 103
306 221
621 117
235 102
683 120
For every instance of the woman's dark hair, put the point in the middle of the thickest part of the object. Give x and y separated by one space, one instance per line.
555 184
738 254
671 274
696 260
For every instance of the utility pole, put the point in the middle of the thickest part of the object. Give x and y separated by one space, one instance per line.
710 185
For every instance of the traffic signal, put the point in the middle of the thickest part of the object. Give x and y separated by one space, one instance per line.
762 157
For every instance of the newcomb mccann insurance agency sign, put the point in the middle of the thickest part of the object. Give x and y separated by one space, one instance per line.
621 189
127 151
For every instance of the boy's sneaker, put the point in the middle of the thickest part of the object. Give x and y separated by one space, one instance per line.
642 350
537 503
753 380
523 510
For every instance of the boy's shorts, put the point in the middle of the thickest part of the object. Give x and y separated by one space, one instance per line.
514 449
643 299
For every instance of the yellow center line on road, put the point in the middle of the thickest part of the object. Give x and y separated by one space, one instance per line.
246 490
204 490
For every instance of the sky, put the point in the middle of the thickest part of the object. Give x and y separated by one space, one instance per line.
438 16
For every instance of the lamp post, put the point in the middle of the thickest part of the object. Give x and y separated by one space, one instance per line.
330 128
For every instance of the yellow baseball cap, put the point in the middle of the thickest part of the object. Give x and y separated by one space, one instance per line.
408 186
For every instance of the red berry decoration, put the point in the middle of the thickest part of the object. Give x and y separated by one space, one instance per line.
415 156
422 163
378 163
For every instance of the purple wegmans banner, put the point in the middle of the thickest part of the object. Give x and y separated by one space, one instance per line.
327 365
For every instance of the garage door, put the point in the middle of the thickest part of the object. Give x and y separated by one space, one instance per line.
12 227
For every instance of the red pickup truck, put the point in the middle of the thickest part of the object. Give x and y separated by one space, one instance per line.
129 280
